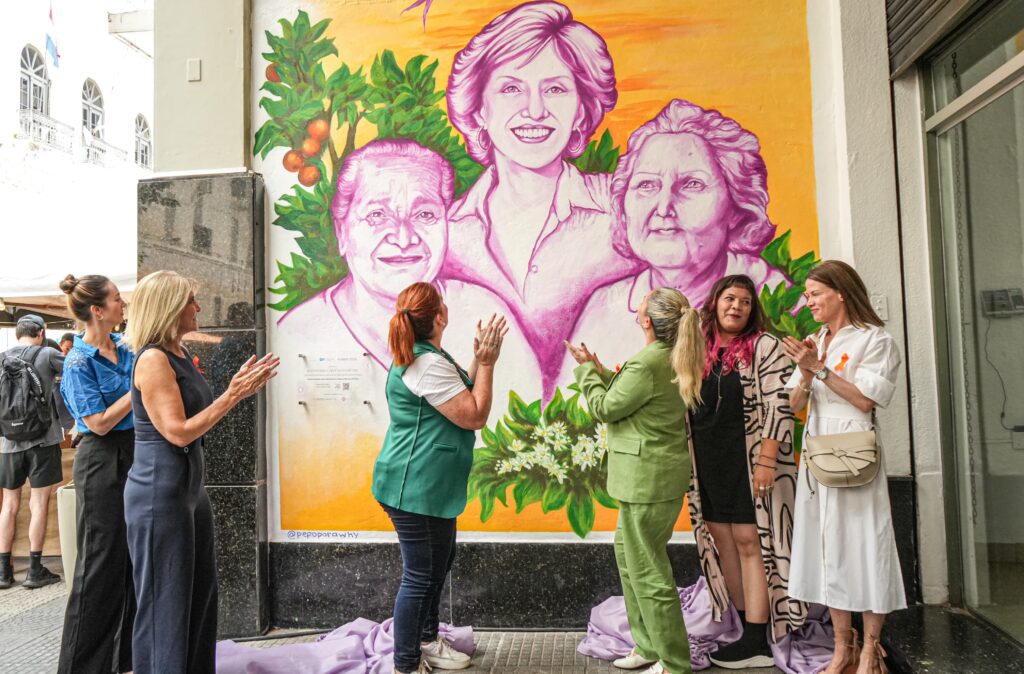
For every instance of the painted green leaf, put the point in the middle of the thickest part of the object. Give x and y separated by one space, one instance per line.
555 497
526 492
581 515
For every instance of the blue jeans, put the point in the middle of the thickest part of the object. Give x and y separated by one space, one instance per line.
428 550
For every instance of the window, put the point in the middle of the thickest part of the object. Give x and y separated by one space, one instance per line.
92 109
35 87
143 143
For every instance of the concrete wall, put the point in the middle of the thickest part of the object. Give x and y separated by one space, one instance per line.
203 124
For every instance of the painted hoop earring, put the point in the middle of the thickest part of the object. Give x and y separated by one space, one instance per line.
483 141
577 147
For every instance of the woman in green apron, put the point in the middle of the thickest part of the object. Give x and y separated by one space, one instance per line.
644 405
421 475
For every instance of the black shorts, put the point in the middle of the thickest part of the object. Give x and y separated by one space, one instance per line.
39 465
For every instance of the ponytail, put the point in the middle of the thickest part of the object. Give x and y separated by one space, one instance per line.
688 357
677 324
415 310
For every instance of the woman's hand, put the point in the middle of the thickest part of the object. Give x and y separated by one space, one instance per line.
252 376
764 480
582 354
804 354
488 340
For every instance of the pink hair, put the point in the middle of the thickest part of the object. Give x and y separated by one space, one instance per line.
394 150
738 154
524 32
739 353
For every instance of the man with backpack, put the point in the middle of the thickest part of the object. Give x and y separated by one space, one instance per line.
32 434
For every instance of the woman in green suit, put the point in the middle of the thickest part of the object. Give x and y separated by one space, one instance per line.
645 408
421 474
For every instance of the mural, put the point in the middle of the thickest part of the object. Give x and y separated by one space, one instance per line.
547 162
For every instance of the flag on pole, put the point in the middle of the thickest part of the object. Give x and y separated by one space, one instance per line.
51 44
51 49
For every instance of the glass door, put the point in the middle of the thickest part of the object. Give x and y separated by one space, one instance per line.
980 181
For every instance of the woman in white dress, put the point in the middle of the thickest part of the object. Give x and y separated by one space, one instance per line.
844 549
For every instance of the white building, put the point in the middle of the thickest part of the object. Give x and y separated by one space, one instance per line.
76 106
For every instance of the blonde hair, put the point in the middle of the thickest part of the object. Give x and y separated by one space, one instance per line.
156 308
677 324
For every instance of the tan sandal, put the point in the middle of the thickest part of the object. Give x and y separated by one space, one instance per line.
873 657
846 641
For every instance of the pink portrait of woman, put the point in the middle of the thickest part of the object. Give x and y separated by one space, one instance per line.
389 214
527 92
691 201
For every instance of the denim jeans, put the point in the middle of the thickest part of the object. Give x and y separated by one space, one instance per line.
428 550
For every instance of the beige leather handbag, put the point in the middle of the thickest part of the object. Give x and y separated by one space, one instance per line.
842 459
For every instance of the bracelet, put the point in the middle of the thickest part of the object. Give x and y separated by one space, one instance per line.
805 389
763 465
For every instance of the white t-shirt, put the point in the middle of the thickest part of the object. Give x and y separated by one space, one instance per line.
433 377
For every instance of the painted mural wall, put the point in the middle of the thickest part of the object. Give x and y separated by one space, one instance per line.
549 162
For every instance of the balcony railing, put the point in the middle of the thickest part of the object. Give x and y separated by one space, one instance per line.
99 151
42 129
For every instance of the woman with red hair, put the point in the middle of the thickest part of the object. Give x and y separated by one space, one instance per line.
744 478
422 472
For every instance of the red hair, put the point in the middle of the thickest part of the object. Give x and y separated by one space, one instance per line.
739 352
415 310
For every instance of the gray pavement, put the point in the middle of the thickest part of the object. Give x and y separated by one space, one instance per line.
31 622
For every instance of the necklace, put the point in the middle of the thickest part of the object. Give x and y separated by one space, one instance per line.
718 376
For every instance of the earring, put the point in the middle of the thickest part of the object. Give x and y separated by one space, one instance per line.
483 141
575 148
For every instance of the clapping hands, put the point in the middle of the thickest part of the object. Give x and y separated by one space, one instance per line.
581 354
252 376
488 340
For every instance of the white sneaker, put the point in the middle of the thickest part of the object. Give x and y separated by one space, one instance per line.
424 668
633 661
656 668
439 653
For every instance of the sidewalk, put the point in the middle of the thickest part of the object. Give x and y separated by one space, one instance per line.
935 640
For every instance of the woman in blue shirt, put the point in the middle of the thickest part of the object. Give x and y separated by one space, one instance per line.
97 375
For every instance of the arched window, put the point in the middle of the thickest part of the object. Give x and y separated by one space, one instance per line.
143 143
92 109
35 86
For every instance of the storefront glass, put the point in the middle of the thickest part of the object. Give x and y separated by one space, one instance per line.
980 185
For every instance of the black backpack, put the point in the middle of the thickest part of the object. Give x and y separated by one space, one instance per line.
24 410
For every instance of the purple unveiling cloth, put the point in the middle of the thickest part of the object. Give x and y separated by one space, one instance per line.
806 651
359 647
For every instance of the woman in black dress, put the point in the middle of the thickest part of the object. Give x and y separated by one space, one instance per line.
170 525
744 473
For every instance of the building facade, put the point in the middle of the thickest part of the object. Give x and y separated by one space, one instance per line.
889 138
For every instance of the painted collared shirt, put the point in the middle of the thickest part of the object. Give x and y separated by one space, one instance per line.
571 258
92 383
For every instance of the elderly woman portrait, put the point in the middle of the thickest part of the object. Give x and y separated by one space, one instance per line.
690 197
389 217
527 92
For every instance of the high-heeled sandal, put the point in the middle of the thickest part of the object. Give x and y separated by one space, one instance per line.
874 655
846 640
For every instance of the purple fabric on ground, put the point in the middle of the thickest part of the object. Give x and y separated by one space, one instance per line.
359 647
806 651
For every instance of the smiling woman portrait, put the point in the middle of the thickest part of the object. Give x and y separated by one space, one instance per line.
527 92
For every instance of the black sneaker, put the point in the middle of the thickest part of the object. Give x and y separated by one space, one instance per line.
6 578
40 577
749 651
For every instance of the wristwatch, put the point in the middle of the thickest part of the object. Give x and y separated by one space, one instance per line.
822 373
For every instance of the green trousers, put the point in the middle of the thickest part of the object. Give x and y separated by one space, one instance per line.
652 602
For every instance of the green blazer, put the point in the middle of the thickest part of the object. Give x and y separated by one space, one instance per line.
424 464
648 450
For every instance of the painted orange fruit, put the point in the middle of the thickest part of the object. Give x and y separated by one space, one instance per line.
318 129
293 160
309 175
310 147
272 73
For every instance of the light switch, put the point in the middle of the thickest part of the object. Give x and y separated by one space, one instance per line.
194 70
881 306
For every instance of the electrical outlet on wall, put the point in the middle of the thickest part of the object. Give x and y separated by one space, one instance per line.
881 305
1017 437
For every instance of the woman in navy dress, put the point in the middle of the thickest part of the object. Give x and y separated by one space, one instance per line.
170 525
